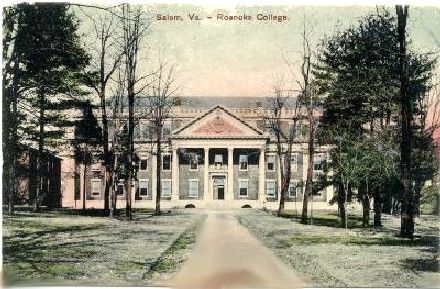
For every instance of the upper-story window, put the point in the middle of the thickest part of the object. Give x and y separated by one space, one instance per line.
166 131
143 165
271 163
319 162
144 130
295 162
218 160
243 160
166 162
194 161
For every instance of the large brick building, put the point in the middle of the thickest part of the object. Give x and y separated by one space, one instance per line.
218 152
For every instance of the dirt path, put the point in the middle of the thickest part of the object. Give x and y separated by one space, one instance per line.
226 255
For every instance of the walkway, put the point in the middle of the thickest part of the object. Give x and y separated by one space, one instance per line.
226 255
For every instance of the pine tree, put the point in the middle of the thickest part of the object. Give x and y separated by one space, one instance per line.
51 65
360 74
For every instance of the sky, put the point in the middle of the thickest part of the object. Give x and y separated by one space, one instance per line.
245 58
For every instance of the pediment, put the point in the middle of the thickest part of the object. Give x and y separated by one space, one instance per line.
217 122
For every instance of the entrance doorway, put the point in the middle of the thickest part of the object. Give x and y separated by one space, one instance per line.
218 187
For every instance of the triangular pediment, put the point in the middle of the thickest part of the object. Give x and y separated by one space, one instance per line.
218 122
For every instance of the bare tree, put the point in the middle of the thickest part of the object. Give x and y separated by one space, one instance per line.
278 106
117 123
135 28
106 60
161 100
308 98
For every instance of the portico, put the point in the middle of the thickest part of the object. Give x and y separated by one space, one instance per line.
223 153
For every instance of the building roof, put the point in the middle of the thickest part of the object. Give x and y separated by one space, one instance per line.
207 102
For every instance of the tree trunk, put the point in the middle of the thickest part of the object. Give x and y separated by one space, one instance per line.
285 177
114 197
407 214
346 190
130 157
107 158
377 207
13 141
84 181
341 204
158 168
113 188
38 192
309 180
365 210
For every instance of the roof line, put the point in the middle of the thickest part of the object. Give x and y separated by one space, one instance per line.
212 109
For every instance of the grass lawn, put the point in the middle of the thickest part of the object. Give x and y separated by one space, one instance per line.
328 256
60 249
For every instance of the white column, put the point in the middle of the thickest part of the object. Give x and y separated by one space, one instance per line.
175 175
206 195
261 175
153 177
230 189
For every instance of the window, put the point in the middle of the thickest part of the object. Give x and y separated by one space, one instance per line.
96 187
295 162
145 130
270 189
243 162
271 163
166 188
143 165
143 187
194 160
166 131
166 162
318 162
243 187
218 159
295 189
301 131
121 188
194 188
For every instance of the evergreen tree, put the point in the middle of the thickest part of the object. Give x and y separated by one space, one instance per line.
51 62
358 71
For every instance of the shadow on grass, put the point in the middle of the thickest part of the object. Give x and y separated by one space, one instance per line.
327 220
424 265
424 241
56 212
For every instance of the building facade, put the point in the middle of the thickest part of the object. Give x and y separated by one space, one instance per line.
218 153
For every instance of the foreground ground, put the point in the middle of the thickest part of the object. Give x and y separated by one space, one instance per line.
327 256
226 255
48 249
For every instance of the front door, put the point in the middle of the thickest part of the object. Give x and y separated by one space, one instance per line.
218 187
221 192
